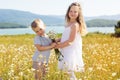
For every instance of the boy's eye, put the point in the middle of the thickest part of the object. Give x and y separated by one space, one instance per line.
38 30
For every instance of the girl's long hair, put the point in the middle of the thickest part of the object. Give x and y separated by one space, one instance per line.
80 18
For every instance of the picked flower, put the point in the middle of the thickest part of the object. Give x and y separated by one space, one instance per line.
52 35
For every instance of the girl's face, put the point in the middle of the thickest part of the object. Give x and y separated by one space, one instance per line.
39 31
73 13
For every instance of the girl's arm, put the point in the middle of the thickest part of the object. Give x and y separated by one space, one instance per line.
42 48
68 42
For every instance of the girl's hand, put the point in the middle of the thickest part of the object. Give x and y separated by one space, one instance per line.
53 45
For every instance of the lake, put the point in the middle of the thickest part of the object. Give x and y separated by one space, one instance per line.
58 29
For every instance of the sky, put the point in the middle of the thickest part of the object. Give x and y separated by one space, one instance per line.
59 7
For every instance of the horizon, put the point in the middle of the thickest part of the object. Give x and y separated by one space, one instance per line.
59 14
90 8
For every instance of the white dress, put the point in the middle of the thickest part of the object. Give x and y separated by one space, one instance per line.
72 60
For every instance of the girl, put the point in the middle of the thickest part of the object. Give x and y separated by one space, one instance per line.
71 42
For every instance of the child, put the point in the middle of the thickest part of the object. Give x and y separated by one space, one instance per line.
71 41
43 46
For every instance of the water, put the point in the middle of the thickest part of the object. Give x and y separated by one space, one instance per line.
58 29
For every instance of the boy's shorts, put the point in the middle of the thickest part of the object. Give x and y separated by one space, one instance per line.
37 65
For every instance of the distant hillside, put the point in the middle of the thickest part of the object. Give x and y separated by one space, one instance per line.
110 17
25 18
11 25
101 23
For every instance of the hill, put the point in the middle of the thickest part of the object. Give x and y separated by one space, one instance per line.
101 23
25 18
11 25
106 17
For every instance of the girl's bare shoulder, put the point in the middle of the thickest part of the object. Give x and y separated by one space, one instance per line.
75 25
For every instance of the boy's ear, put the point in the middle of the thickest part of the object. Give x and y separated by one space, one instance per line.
42 25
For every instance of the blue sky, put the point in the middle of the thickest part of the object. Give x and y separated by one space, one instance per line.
59 7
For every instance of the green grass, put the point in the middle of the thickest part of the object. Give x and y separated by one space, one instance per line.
101 55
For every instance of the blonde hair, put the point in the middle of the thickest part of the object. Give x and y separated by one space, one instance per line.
80 18
37 23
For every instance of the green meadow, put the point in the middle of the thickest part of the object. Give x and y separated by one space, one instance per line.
101 55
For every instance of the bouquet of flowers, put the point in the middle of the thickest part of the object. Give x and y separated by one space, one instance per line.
52 35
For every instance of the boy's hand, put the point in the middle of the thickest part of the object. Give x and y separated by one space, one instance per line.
57 46
58 40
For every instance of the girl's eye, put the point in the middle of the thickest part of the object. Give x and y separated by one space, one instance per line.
70 11
75 11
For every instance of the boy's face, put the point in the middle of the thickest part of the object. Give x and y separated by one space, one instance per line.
39 31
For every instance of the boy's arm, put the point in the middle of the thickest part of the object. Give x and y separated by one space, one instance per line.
58 40
42 48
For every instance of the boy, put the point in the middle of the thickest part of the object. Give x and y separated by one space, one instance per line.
43 46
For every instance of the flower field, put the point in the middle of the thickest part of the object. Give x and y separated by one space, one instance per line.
101 55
